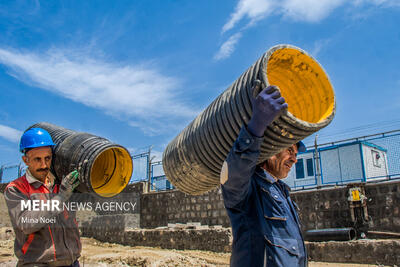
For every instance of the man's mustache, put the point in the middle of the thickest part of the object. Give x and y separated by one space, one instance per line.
42 170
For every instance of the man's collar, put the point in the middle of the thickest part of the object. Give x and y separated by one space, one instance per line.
265 175
269 178
285 185
30 178
36 183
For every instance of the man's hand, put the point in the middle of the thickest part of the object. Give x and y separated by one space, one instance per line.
68 184
267 106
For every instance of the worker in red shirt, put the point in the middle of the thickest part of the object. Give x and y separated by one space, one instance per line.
46 234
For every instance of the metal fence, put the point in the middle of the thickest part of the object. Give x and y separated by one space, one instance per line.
369 158
9 172
146 169
141 164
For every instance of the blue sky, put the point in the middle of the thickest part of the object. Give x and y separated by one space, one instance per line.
137 72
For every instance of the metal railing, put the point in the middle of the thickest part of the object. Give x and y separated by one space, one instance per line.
10 172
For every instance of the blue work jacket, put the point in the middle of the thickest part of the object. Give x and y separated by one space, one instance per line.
265 225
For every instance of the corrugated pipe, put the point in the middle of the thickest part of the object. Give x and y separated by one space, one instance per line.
330 234
106 167
193 160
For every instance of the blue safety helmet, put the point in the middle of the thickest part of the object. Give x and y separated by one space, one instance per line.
35 137
301 147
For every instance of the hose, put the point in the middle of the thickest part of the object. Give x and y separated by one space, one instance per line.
192 160
107 167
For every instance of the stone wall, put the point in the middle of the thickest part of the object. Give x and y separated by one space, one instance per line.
384 205
328 208
376 252
4 217
217 240
322 208
110 223
159 209
2 187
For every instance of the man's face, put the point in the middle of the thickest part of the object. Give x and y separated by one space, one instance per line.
38 161
280 164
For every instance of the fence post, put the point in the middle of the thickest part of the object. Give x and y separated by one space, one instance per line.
149 170
1 173
19 170
316 162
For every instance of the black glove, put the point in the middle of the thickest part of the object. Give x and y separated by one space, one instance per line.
266 106
68 184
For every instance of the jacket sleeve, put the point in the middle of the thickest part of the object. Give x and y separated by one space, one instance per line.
28 221
239 167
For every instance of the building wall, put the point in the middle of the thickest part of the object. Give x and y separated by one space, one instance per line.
4 217
330 166
341 164
350 162
374 167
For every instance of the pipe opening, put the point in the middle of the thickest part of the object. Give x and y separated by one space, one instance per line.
303 83
111 171
352 234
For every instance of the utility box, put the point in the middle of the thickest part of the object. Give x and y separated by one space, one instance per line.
338 164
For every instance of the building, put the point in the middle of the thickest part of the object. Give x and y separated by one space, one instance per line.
358 161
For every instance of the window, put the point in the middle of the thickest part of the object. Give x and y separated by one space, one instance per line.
375 158
299 169
310 167
168 185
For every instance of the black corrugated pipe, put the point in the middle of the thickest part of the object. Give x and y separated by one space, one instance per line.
331 234
193 160
106 167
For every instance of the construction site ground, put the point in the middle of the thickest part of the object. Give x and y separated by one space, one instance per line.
95 253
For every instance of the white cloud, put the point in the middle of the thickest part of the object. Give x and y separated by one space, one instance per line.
383 3
253 9
308 10
10 134
139 94
228 47
299 10
320 45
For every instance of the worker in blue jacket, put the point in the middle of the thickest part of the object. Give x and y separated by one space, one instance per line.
265 224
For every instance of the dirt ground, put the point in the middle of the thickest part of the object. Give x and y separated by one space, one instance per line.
96 253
